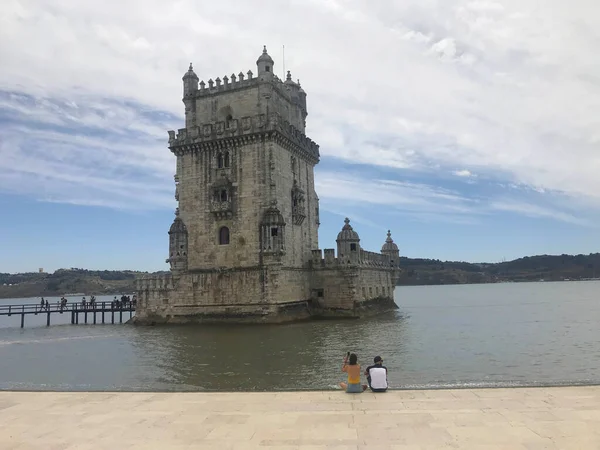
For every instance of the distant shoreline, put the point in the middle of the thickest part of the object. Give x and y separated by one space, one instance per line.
127 292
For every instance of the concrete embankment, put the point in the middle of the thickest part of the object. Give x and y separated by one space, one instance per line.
516 419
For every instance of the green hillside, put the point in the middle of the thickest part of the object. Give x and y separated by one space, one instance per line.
530 268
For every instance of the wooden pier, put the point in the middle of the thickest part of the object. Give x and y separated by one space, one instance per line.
98 312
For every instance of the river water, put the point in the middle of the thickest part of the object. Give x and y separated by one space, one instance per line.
513 334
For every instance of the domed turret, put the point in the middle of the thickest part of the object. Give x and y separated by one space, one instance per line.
348 244
272 216
391 249
190 82
177 226
178 245
347 233
265 64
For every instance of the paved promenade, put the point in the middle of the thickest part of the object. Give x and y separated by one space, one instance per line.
512 419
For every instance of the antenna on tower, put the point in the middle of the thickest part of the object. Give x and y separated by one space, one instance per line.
283 58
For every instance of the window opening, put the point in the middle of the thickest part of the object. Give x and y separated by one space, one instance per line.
224 236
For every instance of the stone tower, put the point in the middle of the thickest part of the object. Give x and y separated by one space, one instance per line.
245 186
244 242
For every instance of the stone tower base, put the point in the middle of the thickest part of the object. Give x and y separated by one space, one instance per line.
258 295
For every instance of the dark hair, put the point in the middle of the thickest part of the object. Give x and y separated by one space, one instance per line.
353 359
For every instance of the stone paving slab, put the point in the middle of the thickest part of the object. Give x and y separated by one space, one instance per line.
560 418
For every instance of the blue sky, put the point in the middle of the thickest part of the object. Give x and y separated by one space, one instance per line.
468 128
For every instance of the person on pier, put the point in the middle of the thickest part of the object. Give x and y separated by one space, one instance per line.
352 368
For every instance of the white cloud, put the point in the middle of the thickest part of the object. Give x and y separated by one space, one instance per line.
463 173
536 211
502 89
425 202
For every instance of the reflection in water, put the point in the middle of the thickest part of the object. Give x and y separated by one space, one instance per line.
478 335
298 356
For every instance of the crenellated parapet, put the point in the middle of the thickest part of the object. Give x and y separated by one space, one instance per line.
241 81
327 259
373 259
224 134
227 83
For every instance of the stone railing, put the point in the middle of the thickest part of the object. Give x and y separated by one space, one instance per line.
222 209
154 282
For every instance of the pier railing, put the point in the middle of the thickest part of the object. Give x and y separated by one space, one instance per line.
95 311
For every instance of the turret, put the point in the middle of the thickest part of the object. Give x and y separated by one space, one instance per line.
348 244
190 82
272 230
265 64
178 245
391 249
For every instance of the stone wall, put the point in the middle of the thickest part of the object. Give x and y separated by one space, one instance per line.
247 191
375 283
269 294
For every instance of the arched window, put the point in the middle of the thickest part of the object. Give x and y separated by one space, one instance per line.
226 159
224 236
220 161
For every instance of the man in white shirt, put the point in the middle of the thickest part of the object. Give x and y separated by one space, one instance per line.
377 375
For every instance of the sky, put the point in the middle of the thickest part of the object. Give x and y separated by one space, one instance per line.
469 128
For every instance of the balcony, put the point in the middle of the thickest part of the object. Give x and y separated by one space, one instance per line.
221 209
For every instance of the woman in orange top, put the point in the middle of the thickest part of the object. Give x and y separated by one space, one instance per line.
352 368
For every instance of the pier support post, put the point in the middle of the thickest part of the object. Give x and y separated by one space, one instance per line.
102 312
23 317
112 314
85 315
48 319
121 314
94 314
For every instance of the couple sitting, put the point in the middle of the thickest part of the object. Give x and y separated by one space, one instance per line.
376 375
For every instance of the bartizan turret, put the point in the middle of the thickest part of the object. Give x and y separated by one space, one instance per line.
178 246
190 87
265 64
348 244
391 249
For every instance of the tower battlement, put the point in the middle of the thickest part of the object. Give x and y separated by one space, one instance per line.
234 96
242 81
365 259
210 133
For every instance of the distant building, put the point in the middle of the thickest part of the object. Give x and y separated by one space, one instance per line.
244 242
41 270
